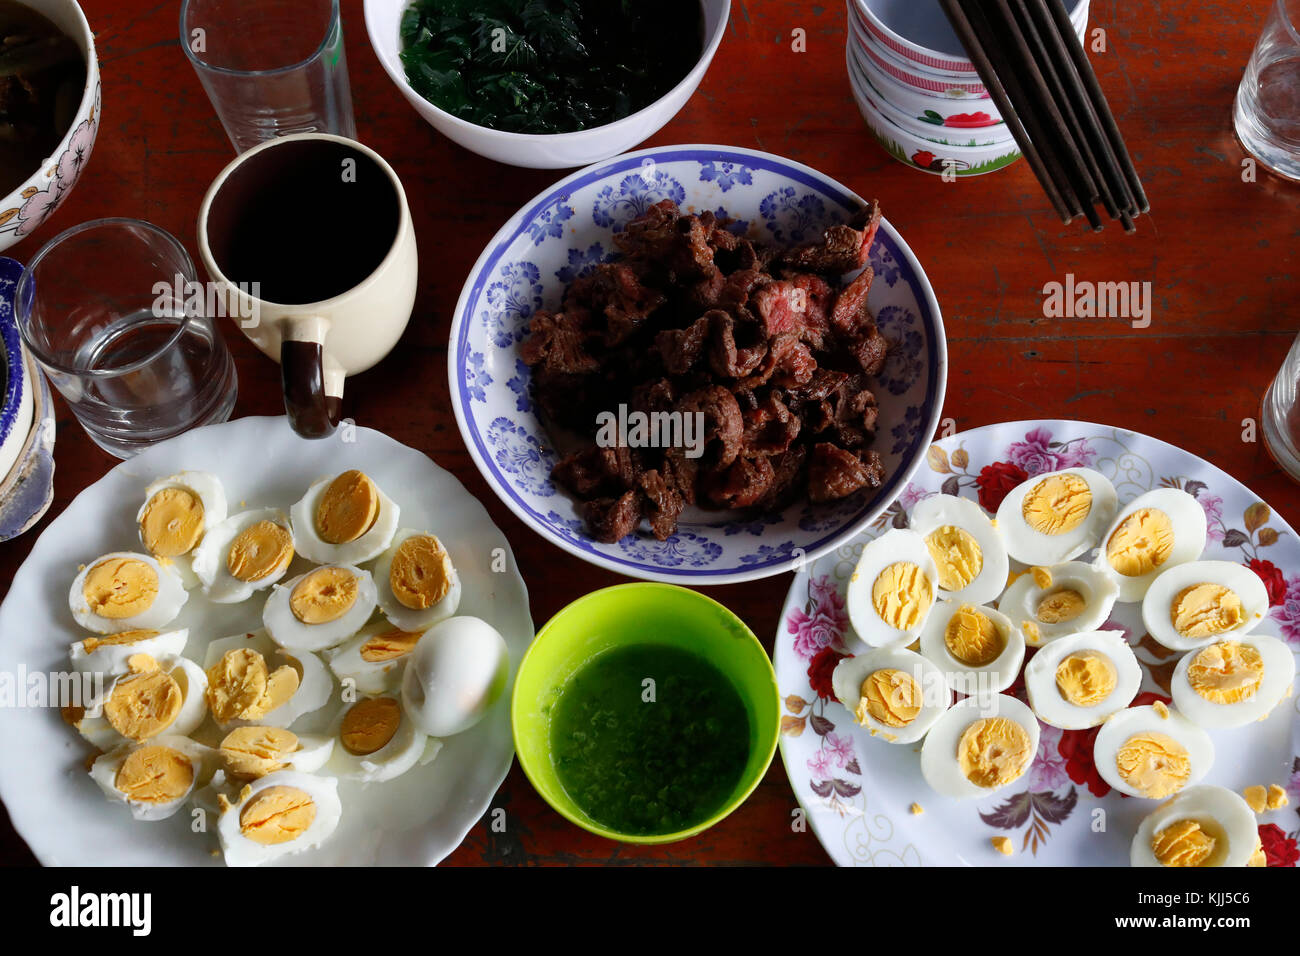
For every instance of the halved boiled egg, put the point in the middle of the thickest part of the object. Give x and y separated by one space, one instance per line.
177 512
154 697
319 609
377 741
1201 826
1233 682
894 693
373 660
1200 602
343 519
977 648
967 549
155 778
1054 517
125 591
282 813
892 589
418 585
253 681
1151 752
108 653
981 745
1080 680
1046 603
249 752
1154 532
245 553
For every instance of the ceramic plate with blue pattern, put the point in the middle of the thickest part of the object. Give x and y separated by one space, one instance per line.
566 231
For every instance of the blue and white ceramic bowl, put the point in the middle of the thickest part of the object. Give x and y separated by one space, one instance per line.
567 230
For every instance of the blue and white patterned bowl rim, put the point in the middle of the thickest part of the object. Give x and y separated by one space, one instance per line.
14 370
781 558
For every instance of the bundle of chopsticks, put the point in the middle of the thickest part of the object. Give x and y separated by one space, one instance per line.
1037 73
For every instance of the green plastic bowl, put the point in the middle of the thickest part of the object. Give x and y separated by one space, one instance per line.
642 613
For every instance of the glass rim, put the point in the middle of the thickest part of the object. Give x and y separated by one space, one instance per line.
1281 8
22 314
334 28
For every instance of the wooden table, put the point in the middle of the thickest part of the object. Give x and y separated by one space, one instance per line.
1220 253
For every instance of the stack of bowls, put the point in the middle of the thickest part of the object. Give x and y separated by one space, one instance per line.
919 93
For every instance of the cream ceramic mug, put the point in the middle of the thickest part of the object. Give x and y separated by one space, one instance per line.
309 244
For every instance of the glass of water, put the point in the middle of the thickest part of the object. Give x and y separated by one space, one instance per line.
1280 418
114 313
1267 112
270 67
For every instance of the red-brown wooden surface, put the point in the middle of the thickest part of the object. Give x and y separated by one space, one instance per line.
1221 255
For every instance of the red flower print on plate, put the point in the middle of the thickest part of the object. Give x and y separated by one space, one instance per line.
1273 578
820 669
1279 849
996 480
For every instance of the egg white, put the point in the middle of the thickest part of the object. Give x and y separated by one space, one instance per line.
939 763
218 584
308 542
851 672
105 768
1045 698
997 675
459 669
314 751
289 632
1158 603
1227 809
939 511
367 677
1190 527
112 658
166 604
193 683
390 761
241 851
1030 546
1279 675
1021 599
1127 723
315 685
898 545
410 619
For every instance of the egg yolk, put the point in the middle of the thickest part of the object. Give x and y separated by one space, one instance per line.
144 704
1277 798
1032 634
241 687
259 551
1154 764
118 588
1065 605
993 751
420 575
957 555
1184 843
972 637
347 508
155 774
389 646
1142 542
892 697
324 595
1057 504
1204 610
1256 798
172 523
369 725
1086 678
277 815
250 752
124 637
1226 673
901 595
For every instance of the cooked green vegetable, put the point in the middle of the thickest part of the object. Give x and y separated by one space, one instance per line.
548 66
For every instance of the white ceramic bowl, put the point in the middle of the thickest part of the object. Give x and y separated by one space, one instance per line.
541 151
24 210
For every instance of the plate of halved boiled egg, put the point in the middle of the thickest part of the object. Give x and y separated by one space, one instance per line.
1064 644
255 649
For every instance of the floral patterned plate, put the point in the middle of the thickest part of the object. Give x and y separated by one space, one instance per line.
857 791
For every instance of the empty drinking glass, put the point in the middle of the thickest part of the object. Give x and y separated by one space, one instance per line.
1267 112
114 313
270 67
1281 414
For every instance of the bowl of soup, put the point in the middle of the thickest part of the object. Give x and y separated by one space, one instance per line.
645 712
49 109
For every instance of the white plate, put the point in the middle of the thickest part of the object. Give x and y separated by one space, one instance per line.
857 791
415 820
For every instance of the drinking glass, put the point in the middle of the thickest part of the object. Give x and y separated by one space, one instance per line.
114 313
270 67
1267 112
1280 417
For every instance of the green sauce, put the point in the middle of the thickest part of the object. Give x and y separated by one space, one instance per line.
649 767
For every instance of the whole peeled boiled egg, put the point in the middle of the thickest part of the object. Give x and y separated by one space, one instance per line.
892 589
1056 516
456 673
343 519
125 591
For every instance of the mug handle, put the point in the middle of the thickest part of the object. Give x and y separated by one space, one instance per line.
313 386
